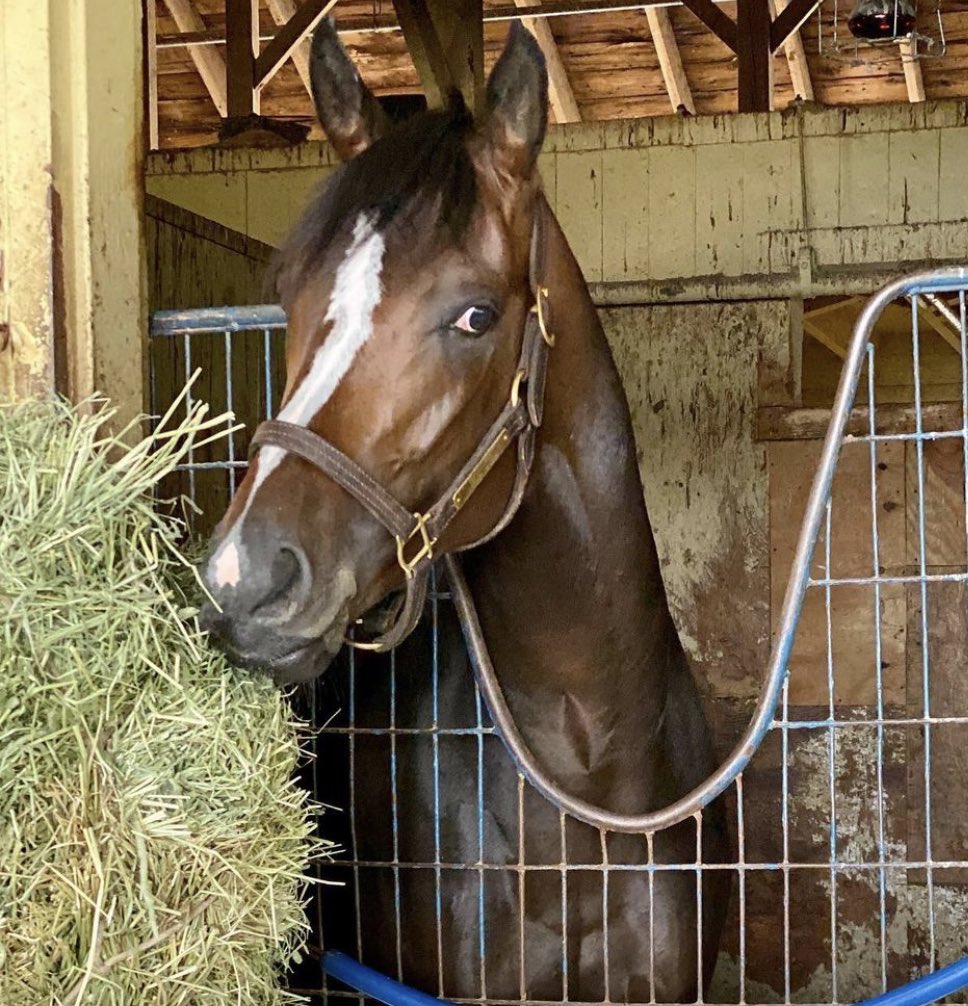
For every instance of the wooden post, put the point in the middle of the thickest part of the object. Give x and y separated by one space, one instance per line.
241 52
72 296
98 172
754 55
446 41
151 71
26 276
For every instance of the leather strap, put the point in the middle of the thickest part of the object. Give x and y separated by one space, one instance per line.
340 468
416 534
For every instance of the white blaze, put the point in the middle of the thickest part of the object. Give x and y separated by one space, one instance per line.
356 294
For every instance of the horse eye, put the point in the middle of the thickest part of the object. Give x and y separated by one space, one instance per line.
476 320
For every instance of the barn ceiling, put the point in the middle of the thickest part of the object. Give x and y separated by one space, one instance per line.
613 63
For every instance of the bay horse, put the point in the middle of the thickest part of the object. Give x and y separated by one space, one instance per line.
431 298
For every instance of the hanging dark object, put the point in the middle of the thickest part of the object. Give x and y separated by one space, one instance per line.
882 20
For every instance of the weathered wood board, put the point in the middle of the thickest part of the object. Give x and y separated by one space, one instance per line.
847 653
691 375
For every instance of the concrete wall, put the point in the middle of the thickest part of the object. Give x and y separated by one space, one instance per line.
779 204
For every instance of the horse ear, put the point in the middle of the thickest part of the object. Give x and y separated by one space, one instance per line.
517 104
347 111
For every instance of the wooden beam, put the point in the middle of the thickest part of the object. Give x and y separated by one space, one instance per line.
426 50
912 72
836 304
151 70
754 56
446 41
796 57
561 97
241 50
292 37
97 169
366 24
789 20
720 24
209 63
27 353
929 315
670 60
825 338
781 422
282 11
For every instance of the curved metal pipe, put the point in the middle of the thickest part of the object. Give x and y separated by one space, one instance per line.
693 802
920 992
371 983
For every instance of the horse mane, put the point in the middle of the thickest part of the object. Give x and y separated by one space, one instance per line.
422 167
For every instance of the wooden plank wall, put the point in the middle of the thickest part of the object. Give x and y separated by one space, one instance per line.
790 203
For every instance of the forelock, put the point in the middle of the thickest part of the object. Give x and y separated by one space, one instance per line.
419 176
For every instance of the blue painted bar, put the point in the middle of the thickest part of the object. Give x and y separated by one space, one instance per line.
217 319
371 983
919 992
928 989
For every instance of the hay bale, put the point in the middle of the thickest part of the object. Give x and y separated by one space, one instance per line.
152 842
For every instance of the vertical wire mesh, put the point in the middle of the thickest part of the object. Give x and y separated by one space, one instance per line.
869 942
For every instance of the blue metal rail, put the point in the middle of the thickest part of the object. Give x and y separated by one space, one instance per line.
920 992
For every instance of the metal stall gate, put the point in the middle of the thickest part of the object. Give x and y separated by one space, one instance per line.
847 807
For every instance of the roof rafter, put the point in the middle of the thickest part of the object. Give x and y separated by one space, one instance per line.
209 63
282 11
540 11
796 56
446 43
825 338
299 22
560 94
670 60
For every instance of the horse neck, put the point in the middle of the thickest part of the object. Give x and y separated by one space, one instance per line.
570 596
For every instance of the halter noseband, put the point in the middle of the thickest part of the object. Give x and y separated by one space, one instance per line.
417 534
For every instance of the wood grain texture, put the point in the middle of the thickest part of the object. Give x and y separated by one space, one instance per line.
691 376
561 97
670 60
608 58
209 62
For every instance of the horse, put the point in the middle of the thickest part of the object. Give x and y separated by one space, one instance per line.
436 313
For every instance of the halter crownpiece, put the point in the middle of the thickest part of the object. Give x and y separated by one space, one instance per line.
417 534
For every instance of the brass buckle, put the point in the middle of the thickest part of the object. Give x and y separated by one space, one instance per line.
426 550
521 375
538 309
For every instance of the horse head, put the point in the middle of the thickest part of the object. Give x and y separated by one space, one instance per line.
406 287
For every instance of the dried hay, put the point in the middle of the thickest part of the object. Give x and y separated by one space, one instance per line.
153 845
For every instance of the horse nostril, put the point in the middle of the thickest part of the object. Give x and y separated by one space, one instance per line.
286 573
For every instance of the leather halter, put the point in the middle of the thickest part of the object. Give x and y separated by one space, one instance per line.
417 534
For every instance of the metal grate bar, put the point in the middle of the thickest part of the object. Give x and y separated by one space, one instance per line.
375 707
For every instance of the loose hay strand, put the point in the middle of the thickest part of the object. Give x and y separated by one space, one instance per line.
153 844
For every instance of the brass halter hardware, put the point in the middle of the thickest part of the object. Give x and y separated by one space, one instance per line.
521 375
426 550
541 295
